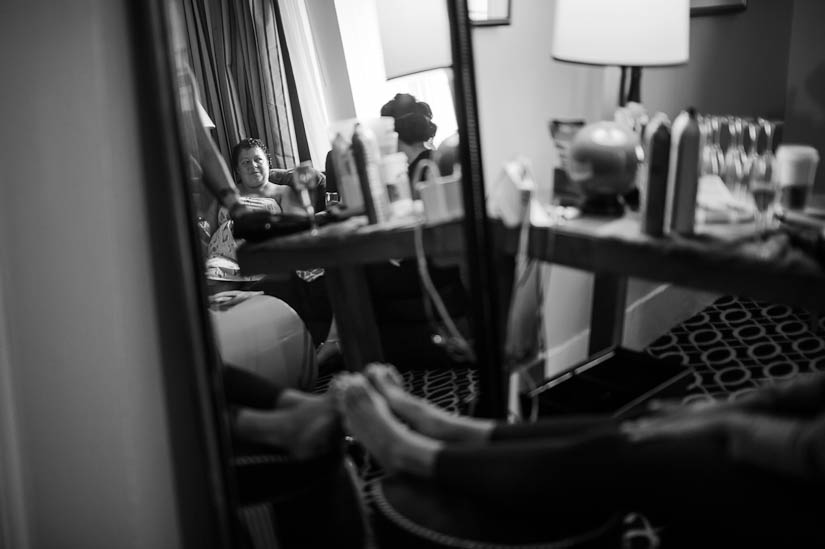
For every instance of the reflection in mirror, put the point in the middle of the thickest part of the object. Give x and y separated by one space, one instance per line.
489 12
260 86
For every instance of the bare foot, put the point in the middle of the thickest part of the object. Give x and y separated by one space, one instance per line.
317 427
422 415
304 427
369 419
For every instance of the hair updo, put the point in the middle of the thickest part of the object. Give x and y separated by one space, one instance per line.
413 118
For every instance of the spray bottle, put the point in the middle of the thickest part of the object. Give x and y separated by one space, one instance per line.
344 165
657 158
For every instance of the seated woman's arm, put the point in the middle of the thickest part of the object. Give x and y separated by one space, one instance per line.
287 197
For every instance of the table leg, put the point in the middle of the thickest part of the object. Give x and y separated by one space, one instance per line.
607 312
354 316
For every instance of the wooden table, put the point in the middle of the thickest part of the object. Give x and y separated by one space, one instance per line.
343 249
723 258
720 258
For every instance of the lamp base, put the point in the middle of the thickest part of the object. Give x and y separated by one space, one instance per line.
610 205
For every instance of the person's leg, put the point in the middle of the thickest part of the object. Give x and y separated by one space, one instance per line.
578 462
244 388
598 471
431 420
423 416
300 424
370 420
687 484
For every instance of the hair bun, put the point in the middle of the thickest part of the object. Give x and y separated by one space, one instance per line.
414 128
403 104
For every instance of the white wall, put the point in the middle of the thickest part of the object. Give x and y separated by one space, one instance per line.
520 89
84 446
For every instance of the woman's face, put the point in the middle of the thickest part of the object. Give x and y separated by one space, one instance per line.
253 167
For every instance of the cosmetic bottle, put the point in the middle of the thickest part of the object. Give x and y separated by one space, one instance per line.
683 174
657 158
344 165
367 158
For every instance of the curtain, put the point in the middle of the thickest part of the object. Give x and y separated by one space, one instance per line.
306 68
235 53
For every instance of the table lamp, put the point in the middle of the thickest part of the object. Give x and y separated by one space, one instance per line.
629 34
626 33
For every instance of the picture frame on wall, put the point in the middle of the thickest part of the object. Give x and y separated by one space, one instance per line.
489 12
714 7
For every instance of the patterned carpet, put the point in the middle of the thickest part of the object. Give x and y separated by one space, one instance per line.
736 345
731 347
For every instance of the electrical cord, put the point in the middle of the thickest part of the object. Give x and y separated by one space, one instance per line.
454 343
525 266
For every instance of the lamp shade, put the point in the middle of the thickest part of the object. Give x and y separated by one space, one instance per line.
415 36
626 33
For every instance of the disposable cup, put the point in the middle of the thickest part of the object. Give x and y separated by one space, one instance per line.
794 171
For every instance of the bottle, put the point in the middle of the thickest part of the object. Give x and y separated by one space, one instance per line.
683 174
657 159
367 158
344 165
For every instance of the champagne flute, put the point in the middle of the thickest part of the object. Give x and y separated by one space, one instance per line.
754 129
762 185
735 159
714 158
708 153
306 182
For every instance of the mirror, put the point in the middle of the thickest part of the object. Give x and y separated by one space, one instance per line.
294 311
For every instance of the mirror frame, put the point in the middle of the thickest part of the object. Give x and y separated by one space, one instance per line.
478 237
199 432
198 428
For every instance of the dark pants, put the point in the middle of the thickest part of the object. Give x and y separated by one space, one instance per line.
583 466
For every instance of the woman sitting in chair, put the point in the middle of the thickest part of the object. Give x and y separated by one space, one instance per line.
259 188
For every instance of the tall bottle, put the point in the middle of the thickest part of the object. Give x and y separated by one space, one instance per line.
344 165
367 158
657 158
683 174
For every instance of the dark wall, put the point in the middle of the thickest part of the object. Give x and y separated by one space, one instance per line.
805 99
738 64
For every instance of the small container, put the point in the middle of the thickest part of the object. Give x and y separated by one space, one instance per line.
794 170
441 197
